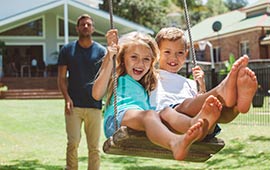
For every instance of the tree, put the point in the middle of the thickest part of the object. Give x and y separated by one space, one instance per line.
191 4
215 7
235 4
154 14
150 14
195 10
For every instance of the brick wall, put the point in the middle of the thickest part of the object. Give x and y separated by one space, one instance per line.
49 83
230 44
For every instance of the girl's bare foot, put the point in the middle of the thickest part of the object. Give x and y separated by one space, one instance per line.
181 146
210 111
227 93
246 88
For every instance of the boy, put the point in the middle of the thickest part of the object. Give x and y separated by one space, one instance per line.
178 92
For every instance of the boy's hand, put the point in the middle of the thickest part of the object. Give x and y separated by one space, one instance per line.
198 75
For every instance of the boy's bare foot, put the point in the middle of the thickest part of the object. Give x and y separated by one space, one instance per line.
181 147
227 93
210 111
246 88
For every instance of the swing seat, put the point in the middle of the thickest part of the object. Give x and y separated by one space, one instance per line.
127 141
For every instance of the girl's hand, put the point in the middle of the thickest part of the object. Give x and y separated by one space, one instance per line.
112 51
112 41
112 37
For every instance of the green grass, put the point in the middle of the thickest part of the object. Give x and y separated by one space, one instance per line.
32 137
256 115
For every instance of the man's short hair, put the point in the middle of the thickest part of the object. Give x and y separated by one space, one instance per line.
83 16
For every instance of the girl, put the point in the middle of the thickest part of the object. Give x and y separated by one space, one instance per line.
135 70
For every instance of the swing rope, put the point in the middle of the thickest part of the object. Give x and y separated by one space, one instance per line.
193 55
114 72
189 34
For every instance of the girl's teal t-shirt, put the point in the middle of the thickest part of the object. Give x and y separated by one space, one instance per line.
130 95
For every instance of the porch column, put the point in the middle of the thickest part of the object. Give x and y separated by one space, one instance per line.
1 64
66 21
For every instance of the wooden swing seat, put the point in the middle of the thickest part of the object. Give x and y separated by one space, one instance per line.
127 141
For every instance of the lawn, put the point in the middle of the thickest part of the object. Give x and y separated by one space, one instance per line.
32 137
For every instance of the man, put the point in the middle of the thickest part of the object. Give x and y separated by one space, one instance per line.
81 60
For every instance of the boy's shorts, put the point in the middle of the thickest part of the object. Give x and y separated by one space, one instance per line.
216 131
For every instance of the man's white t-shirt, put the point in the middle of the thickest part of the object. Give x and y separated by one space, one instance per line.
171 89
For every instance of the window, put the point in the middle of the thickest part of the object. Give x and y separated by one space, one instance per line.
33 28
200 55
71 28
244 48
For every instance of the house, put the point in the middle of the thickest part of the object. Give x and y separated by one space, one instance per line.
239 32
33 32
243 31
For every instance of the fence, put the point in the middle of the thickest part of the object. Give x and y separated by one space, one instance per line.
259 113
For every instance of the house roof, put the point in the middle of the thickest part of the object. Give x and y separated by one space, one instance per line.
9 12
204 28
232 22
257 3
14 10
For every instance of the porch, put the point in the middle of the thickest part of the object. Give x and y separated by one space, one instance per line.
30 88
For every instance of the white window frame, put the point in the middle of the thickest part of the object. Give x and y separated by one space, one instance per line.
244 48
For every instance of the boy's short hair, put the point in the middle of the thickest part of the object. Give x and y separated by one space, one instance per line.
171 34
83 16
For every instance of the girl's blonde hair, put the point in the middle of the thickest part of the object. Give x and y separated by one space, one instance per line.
149 80
171 34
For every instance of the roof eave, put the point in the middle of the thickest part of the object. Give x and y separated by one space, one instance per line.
236 32
30 12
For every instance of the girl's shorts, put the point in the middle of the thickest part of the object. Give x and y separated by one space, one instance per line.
109 128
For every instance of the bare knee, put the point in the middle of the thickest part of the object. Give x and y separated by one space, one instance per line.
150 114
164 114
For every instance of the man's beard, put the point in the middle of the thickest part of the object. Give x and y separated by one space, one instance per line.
83 36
